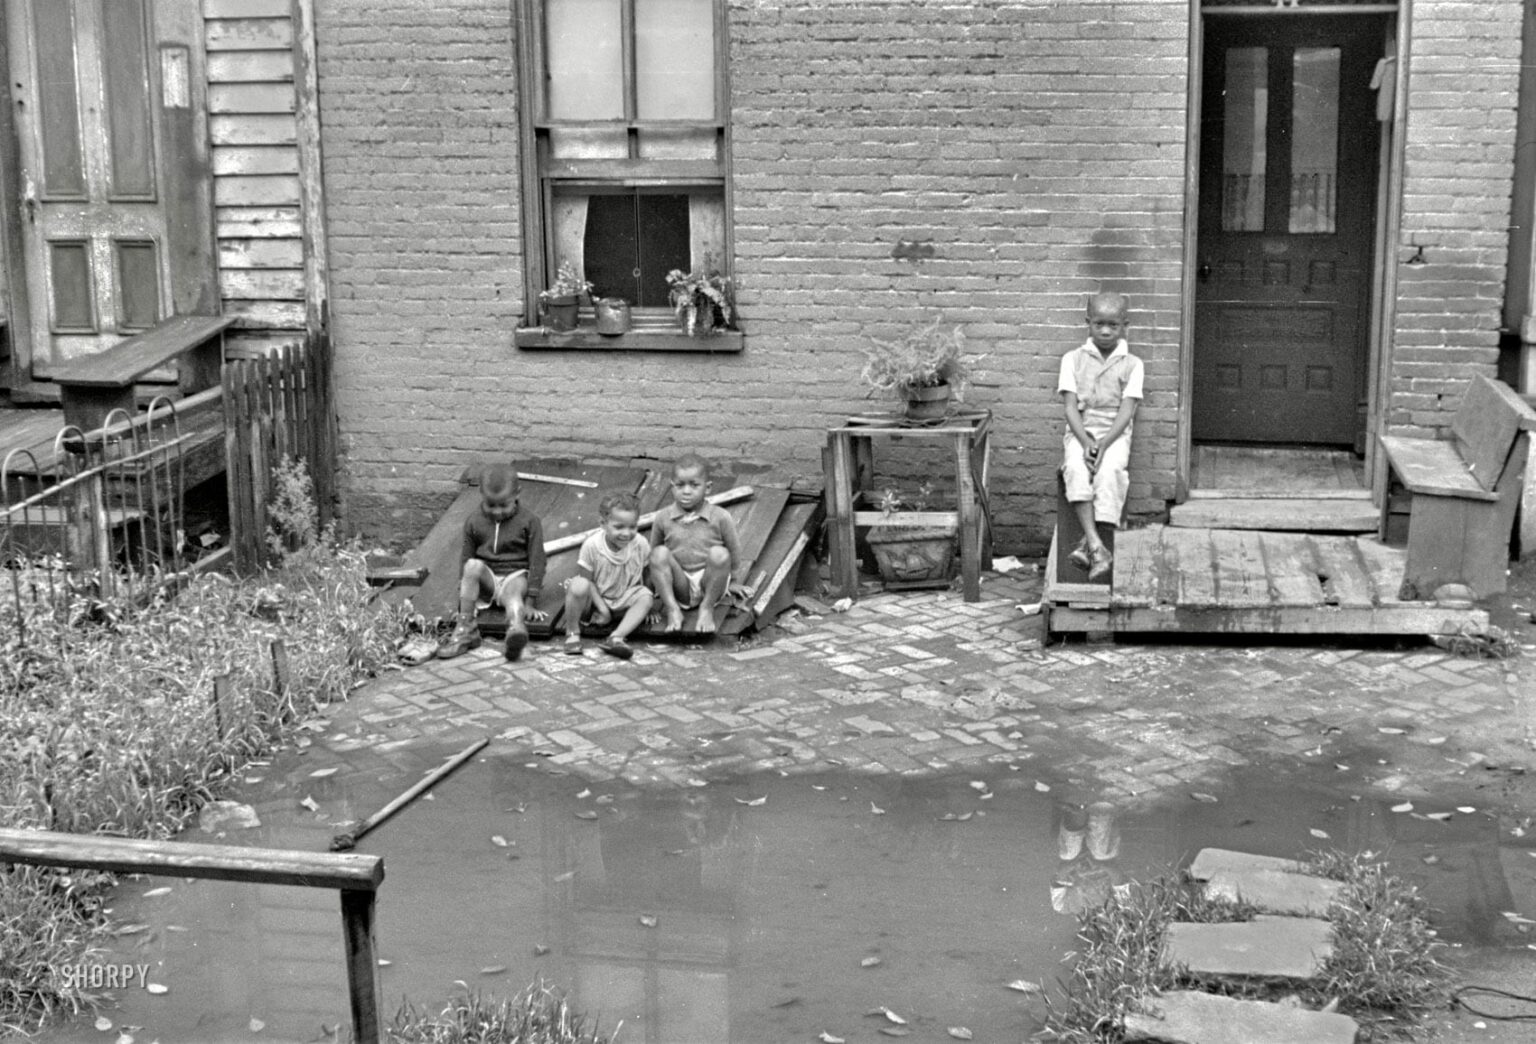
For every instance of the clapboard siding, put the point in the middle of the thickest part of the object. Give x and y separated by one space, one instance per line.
251 105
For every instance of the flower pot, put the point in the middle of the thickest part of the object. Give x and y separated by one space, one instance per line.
612 316
910 554
559 312
928 403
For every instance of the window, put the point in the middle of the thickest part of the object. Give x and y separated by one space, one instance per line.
626 177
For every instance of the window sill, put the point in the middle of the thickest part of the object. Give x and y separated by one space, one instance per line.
585 338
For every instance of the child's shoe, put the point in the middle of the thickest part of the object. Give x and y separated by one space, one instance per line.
1103 833
1100 564
616 647
573 645
1079 556
517 641
465 638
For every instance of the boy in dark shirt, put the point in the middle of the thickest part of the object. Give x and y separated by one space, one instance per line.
503 565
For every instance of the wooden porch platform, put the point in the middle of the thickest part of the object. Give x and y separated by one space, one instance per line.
1244 581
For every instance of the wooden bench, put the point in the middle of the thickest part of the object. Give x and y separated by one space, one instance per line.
94 385
1464 492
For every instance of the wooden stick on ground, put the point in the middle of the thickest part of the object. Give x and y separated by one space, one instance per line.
344 841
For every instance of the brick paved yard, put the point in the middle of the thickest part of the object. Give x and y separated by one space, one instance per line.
913 683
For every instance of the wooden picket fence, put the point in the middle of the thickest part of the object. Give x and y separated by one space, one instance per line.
276 407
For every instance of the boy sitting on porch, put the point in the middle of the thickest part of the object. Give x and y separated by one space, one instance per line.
611 569
503 565
695 549
1101 384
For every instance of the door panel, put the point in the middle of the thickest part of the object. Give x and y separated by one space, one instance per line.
1287 203
95 219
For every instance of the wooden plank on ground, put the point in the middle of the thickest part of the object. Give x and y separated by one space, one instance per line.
1241 579
1405 618
1342 572
1187 567
1136 567
1385 566
1300 514
784 564
1292 570
788 530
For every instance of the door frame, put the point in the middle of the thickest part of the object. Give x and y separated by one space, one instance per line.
14 303
1387 224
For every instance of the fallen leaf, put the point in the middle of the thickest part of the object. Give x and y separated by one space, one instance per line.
586 793
162 890
988 796
1044 788
754 802
876 809
498 841
322 773
256 1025
891 1015
131 929
1024 986
603 799
869 962
1431 860
960 1033
1406 806
979 784
565 876
948 817
895 1031
824 1036
1390 731
494 969
157 988
962 817
1466 810
1209 799
103 1023
310 804
1437 740
586 815
384 962
647 920
539 949
1439 817
1318 833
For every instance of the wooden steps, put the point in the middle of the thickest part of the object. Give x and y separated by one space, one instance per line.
1293 513
1169 578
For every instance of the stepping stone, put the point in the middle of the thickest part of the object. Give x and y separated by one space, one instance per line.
1279 947
1185 1017
1273 885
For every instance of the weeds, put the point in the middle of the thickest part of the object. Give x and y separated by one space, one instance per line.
538 1015
108 726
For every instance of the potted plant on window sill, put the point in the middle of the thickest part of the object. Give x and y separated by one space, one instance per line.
560 301
927 368
704 301
912 554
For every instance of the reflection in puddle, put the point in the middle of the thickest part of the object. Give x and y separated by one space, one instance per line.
746 910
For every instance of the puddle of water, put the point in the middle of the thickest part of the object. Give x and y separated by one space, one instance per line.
741 910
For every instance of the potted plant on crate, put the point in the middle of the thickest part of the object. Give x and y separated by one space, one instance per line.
704 300
560 301
912 554
926 368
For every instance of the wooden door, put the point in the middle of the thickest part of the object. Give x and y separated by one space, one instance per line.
1288 174
114 212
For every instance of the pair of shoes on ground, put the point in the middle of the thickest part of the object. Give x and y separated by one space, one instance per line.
1097 827
1097 562
616 647
467 639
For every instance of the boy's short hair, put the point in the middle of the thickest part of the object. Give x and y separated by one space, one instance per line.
1111 301
498 480
618 502
690 462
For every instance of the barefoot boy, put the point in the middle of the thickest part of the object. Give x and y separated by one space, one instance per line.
696 549
503 564
611 570
1101 384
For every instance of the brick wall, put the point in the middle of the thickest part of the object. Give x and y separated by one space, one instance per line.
1037 146
1463 82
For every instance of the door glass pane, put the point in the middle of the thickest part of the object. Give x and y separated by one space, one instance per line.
1245 122
1314 139
138 285
126 72
675 59
58 99
69 277
585 52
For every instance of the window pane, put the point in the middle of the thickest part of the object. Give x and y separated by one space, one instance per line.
1314 139
126 71
675 59
585 50
585 143
58 100
679 144
632 240
69 276
138 285
1245 122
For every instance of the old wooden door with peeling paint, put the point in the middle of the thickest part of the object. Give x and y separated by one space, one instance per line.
114 210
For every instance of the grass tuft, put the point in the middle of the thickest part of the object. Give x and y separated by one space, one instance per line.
538 1015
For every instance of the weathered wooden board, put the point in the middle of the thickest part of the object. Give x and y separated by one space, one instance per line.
1136 573
1485 425
266 315
246 8
1241 578
780 564
1406 618
250 34
258 222
1434 468
1292 569
255 159
250 97
261 253
263 190
262 284
1296 514
1187 569
1342 572
252 130
250 66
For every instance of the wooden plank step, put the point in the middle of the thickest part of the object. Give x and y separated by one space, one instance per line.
1405 618
1290 514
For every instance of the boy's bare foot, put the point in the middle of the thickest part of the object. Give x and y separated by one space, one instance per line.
674 621
706 621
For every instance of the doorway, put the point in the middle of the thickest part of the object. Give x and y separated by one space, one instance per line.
1287 209
111 224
